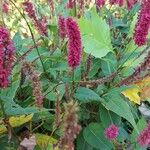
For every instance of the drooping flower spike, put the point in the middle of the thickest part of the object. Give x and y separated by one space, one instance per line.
35 81
40 24
143 24
6 56
74 43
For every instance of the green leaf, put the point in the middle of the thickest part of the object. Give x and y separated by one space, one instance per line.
10 91
109 64
132 58
95 35
132 26
118 23
123 135
86 95
94 135
82 144
94 68
18 42
114 101
141 125
13 109
52 95
107 117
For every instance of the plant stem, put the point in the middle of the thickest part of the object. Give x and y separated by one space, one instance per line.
31 34
75 8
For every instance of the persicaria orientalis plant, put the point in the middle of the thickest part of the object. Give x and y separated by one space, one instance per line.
75 74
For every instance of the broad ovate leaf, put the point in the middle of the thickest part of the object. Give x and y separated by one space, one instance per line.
16 122
86 95
94 136
43 140
115 102
82 144
95 35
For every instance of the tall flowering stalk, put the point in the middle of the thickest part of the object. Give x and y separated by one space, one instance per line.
71 128
35 81
6 56
143 24
74 43
41 24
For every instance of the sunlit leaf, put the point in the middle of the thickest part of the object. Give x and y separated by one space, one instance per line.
132 94
16 121
44 140
95 35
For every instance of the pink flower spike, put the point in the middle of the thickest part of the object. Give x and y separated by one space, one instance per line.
40 24
29 9
74 43
143 24
111 132
6 56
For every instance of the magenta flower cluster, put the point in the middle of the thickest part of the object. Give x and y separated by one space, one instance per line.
6 56
61 27
69 28
41 24
111 132
5 7
99 3
143 138
70 4
143 24
35 81
74 42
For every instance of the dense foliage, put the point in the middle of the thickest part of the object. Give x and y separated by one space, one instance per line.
74 74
